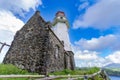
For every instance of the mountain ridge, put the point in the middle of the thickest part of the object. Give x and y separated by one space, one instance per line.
112 65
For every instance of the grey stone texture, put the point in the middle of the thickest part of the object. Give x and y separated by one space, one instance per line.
37 49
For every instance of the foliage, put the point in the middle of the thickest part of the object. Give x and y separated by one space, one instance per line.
80 71
9 69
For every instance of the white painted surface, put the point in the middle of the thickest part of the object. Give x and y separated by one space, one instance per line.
61 30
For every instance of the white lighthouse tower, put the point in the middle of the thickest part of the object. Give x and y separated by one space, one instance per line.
60 28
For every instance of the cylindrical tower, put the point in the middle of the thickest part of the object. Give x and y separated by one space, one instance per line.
60 28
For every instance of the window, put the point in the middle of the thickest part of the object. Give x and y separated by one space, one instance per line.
56 51
61 17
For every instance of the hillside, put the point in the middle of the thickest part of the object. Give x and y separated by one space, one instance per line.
113 71
112 65
8 69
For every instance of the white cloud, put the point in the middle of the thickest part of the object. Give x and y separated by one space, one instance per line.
90 59
114 57
86 55
87 51
6 36
9 22
101 43
87 58
101 15
19 6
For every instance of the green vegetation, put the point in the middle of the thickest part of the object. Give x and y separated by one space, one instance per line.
80 71
9 69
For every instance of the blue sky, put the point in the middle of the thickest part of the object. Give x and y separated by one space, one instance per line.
94 26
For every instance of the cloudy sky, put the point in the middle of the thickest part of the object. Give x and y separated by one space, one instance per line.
94 26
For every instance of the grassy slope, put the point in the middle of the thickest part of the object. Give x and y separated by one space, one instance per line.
78 72
8 69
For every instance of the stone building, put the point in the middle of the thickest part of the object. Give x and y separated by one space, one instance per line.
37 47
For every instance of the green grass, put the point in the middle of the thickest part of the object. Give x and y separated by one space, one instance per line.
77 71
9 69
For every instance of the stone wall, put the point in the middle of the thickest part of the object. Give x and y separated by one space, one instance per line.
29 46
56 53
69 60
72 62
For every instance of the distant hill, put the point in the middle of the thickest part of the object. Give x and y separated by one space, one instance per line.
112 65
112 69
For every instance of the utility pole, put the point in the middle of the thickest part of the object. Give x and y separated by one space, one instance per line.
3 44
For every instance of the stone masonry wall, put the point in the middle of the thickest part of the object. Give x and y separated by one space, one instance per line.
72 62
29 46
56 53
69 60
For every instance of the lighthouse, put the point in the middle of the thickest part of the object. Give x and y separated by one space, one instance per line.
60 28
